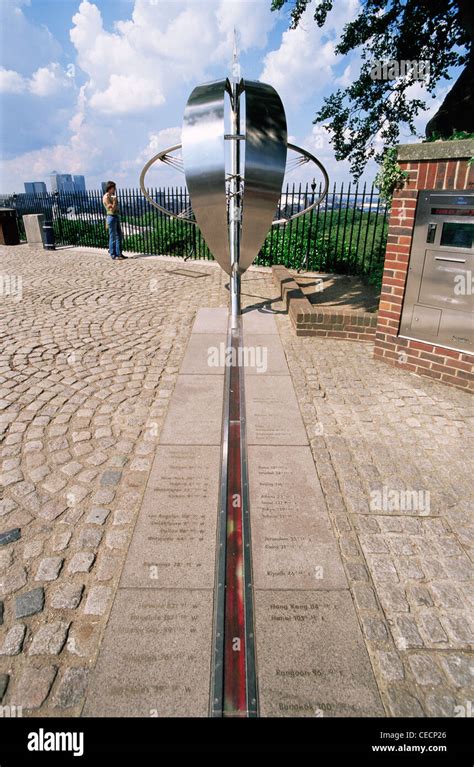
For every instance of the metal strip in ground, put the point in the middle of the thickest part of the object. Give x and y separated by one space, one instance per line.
234 687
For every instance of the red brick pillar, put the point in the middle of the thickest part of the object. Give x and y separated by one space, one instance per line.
437 165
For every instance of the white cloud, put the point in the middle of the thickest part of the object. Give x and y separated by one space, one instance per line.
126 94
46 81
145 59
11 82
305 60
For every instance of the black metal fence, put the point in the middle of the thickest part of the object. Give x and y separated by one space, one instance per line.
345 234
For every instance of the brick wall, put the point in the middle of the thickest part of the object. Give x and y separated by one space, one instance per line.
323 321
427 172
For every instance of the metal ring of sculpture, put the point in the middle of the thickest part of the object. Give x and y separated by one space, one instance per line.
163 157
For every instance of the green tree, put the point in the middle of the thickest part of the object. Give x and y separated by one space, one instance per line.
438 32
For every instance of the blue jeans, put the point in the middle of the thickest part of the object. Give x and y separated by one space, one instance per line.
115 236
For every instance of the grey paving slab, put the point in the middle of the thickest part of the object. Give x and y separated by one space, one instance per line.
174 540
211 320
264 355
293 545
312 660
255 321
273 416
156 655
205 354
195 411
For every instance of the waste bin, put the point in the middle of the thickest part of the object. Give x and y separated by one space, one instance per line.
48 231
8 227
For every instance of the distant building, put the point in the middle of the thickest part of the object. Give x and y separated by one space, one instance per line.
65 182
80 183
35 187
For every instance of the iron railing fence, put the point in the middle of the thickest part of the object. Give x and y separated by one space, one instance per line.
345 234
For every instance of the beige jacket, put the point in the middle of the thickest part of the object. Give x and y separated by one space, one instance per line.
110 203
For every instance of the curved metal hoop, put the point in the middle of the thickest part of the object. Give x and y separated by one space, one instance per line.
278 222
321 197
145 170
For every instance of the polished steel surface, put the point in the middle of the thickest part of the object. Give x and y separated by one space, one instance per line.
204 166
438 302
235 202
265 161
235 209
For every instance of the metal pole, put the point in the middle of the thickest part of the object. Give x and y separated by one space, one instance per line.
235 207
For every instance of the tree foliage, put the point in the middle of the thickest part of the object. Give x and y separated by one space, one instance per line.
439 32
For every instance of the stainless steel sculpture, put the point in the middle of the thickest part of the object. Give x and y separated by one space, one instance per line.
234 207
234 180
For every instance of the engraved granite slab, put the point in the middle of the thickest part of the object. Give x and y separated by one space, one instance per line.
273 415
311 656
156 655
293 545
174 540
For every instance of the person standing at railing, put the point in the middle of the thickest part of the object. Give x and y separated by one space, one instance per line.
110 201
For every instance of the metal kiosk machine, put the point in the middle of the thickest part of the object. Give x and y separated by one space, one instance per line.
438 304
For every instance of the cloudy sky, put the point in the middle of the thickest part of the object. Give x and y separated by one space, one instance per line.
98 87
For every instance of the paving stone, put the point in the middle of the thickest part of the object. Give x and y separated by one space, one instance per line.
97 516
404 704
107 567
375 629
424 669
390 665
29 603
67 596
53 509
116 539
440 704
10 536
110 477
61 540
33 686
13 641
13 580
393 598
49 639
75 494
72 687
81 562
459 669
408 634
460 629
2 607
89 538
433 629
103 497
123 516
49 569
33 549
97 600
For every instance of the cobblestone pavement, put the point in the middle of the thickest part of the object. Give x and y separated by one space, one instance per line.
90 355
